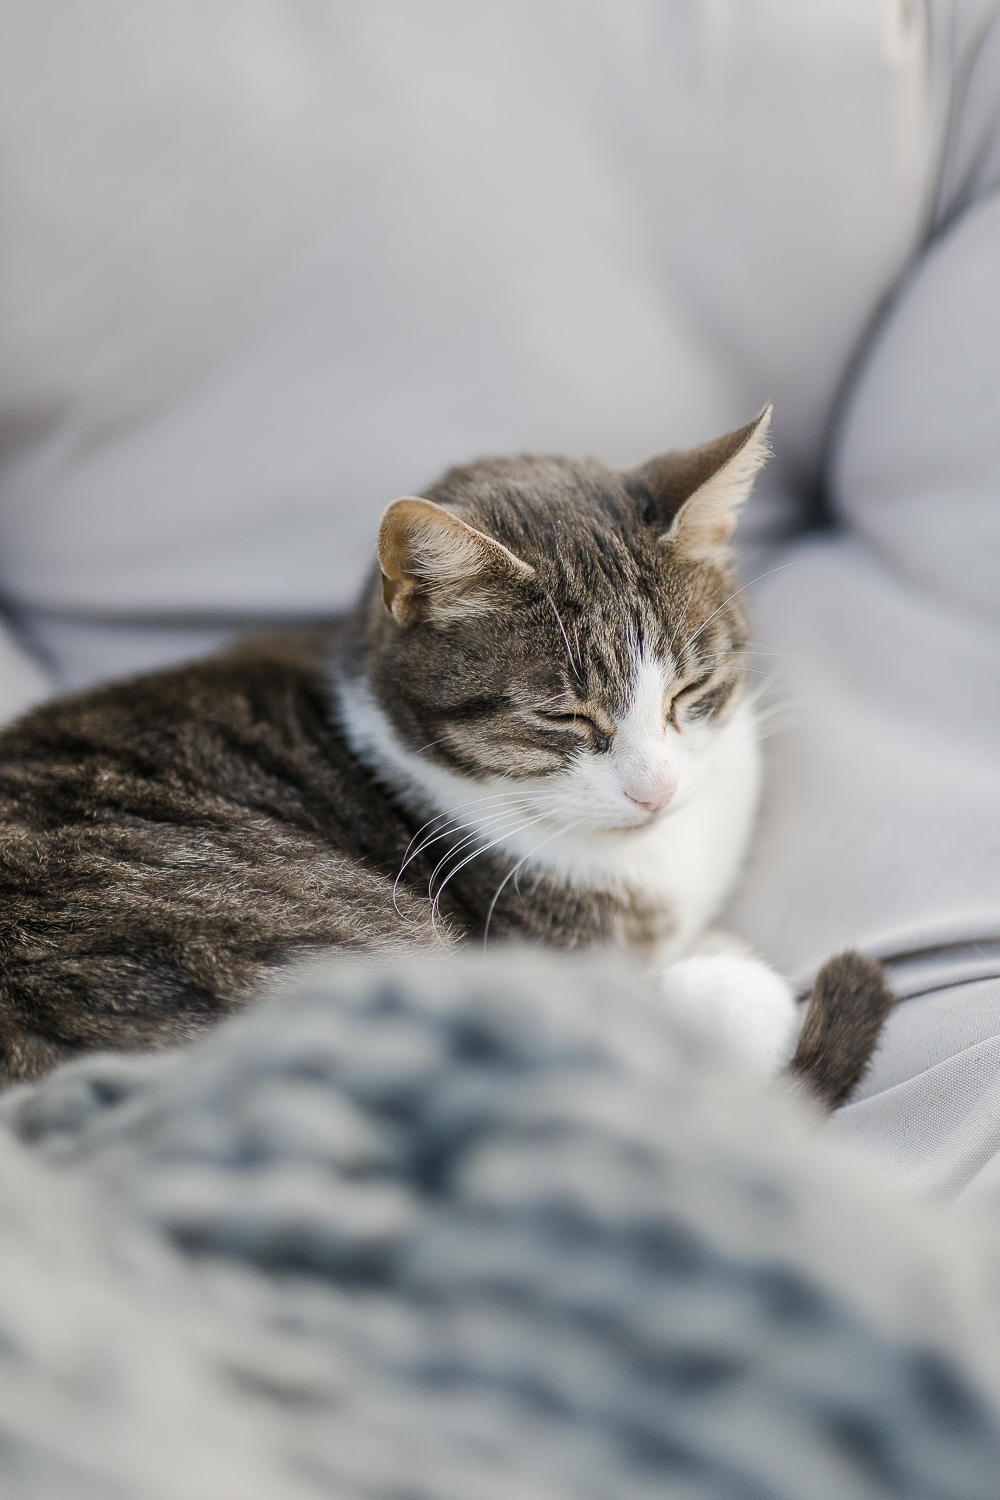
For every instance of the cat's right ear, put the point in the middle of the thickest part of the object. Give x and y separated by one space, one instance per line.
437 567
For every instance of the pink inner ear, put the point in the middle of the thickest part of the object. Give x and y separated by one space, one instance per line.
707 519
399 537
390 588
421 541
433 562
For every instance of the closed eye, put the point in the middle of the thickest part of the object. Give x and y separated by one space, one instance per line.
602 741
687 694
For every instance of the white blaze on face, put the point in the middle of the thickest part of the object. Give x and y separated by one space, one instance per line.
650 768
644 751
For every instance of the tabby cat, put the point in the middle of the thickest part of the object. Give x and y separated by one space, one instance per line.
534 725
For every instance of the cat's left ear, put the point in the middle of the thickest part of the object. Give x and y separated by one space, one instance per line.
702 489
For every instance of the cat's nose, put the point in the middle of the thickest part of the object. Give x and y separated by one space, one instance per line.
654 796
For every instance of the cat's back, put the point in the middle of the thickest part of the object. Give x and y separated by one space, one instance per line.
167 840
211 728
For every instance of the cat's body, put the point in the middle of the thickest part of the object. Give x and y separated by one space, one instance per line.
534 726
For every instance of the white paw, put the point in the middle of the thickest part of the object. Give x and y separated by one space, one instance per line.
740 999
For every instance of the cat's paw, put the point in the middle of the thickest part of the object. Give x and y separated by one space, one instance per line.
744 1001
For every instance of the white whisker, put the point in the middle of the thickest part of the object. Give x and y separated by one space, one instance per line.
510 833
470 837
446 822
562 630
430 746
680 622
568 828
554 699
736 592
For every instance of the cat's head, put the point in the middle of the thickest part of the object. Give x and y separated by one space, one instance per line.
572 628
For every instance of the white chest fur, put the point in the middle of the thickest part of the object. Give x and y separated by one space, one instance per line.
684 860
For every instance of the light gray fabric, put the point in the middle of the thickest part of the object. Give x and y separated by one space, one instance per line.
266 270
930 1104
24 680
268 265
473 1228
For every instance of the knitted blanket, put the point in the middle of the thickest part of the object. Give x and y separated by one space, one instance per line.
477 1229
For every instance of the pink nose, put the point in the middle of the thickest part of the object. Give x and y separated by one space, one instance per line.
654 798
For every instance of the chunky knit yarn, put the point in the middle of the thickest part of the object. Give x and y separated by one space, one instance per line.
472 1229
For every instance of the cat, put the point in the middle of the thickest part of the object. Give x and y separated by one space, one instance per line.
534 725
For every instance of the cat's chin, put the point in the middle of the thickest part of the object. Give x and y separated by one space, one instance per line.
616 830
655 819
